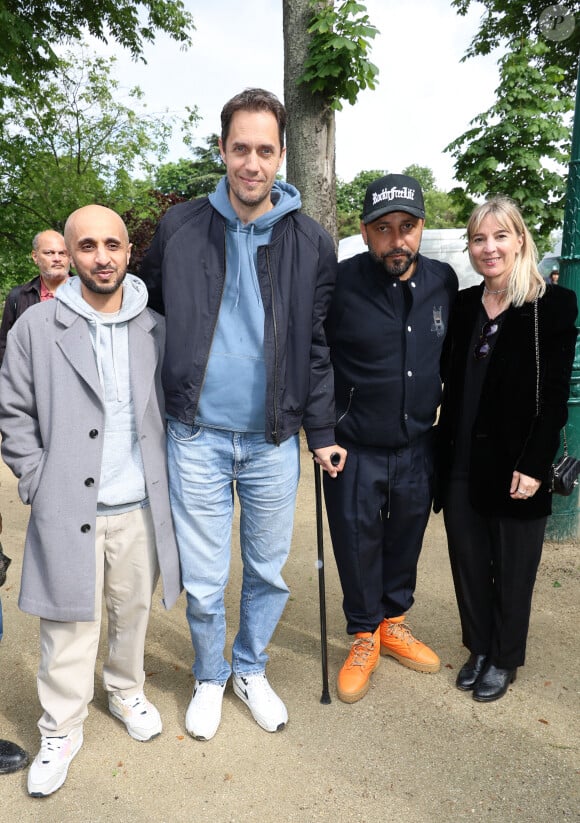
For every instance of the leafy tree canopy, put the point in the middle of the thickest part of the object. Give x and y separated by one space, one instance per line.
521 144
66 142
423 174
192 178
30 27
350 196
337 65
507 22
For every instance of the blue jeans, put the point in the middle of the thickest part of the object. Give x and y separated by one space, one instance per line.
204 465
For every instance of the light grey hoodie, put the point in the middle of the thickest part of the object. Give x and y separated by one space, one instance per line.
122 482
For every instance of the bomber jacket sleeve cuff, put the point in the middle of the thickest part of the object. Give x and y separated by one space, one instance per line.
320 438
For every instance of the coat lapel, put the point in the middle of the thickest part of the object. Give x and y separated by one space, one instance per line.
76 345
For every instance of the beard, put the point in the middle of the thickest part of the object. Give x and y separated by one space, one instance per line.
394 267
101 288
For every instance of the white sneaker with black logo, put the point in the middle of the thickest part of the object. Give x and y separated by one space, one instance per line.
267 709
204 712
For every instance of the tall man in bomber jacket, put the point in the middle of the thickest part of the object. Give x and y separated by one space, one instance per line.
385 328
244 281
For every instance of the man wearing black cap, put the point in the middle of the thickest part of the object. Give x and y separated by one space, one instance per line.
385 329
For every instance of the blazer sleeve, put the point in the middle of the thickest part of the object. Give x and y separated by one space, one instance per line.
557 312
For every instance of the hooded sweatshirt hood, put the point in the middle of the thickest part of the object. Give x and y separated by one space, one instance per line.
122 482
236 363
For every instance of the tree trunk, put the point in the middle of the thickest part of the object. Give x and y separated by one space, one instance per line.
310 157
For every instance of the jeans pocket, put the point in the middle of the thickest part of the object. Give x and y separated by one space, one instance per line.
183 431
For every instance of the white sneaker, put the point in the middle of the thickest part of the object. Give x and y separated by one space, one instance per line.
141 718
50 766
267 709
204 712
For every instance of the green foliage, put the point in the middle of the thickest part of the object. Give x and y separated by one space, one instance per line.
520 146
192 178
142 220
337 66
64 143
31 27
350 196
423 174
348 223
505 22
440 211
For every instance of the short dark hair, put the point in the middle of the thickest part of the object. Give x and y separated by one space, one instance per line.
254 100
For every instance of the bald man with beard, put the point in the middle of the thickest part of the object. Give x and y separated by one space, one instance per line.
95 349
50 255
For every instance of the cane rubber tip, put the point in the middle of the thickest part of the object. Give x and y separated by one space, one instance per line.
325 699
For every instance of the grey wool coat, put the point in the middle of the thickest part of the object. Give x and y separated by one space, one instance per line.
51 420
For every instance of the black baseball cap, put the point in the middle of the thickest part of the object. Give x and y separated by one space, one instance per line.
394 192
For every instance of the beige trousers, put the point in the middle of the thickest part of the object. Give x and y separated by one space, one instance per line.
126 574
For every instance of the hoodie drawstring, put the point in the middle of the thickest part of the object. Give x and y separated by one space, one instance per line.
248 247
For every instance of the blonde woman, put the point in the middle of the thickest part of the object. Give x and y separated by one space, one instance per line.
494 449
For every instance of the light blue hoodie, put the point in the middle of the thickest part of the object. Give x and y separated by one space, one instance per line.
234 388
122 482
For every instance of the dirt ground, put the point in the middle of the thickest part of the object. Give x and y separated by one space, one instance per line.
414 750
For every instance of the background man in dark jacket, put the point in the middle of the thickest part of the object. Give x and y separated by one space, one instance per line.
244 280
385 328
51 256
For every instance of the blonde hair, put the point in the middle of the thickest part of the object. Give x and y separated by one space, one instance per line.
525 283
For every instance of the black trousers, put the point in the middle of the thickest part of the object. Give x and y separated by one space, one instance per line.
494 562
378 509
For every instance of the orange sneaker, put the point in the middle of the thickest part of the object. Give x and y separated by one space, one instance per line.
398 642
354 678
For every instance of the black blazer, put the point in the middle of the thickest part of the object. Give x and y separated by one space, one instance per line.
507 436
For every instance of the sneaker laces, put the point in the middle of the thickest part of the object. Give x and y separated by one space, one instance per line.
137 703
50 746
207 691
260 684
361 651
402 632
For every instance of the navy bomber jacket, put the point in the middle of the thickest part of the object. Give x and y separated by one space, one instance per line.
184 271
386 337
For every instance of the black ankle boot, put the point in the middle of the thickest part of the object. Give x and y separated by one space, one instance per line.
470 671
12 757
493 683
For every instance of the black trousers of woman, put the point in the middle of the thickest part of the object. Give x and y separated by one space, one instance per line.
494 561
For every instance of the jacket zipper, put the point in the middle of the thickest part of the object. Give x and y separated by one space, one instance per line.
275 432
348 405
215 323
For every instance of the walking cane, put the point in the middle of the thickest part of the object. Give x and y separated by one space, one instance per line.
335 460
